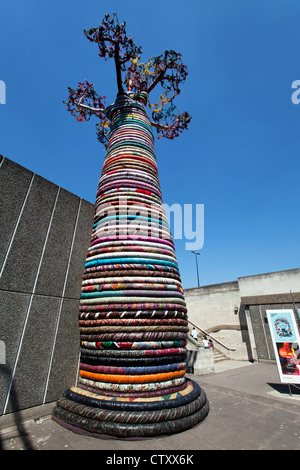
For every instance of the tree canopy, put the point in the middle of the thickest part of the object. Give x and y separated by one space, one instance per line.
133 76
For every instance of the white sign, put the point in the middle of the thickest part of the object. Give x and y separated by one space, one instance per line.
2 92
286 343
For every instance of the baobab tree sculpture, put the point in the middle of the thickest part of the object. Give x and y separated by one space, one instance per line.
132 314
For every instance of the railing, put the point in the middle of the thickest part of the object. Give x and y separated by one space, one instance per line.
228 348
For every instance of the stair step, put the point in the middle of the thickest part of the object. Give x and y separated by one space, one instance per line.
218 356
219 359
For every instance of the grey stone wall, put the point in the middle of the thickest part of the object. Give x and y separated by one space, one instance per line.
216 309
44 236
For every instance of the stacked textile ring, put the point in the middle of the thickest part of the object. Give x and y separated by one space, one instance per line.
132 315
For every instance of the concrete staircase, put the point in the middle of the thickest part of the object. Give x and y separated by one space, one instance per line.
218 355
194 345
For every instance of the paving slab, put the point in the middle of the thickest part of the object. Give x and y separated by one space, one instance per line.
249 410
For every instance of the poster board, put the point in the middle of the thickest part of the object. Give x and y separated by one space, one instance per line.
286 343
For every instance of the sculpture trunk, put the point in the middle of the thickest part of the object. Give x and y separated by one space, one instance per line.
132 314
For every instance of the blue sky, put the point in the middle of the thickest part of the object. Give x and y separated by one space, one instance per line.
240 156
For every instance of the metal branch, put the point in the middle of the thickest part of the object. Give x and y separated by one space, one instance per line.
118 68
160 126
88 108
156 81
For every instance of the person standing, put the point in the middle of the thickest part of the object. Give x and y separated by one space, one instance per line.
205 343
195 334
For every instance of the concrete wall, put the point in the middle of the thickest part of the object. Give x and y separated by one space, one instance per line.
280 282
213 305
263 292
44 237
235 312
216 309
200 361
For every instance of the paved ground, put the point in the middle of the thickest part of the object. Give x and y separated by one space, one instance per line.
249 410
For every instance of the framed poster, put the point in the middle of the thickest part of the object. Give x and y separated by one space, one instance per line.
286 343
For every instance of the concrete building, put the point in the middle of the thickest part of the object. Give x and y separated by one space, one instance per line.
234 313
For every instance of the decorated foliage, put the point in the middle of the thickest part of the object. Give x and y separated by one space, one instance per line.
133 76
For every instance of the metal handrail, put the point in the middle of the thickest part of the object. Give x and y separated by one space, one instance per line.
212 337
195 342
